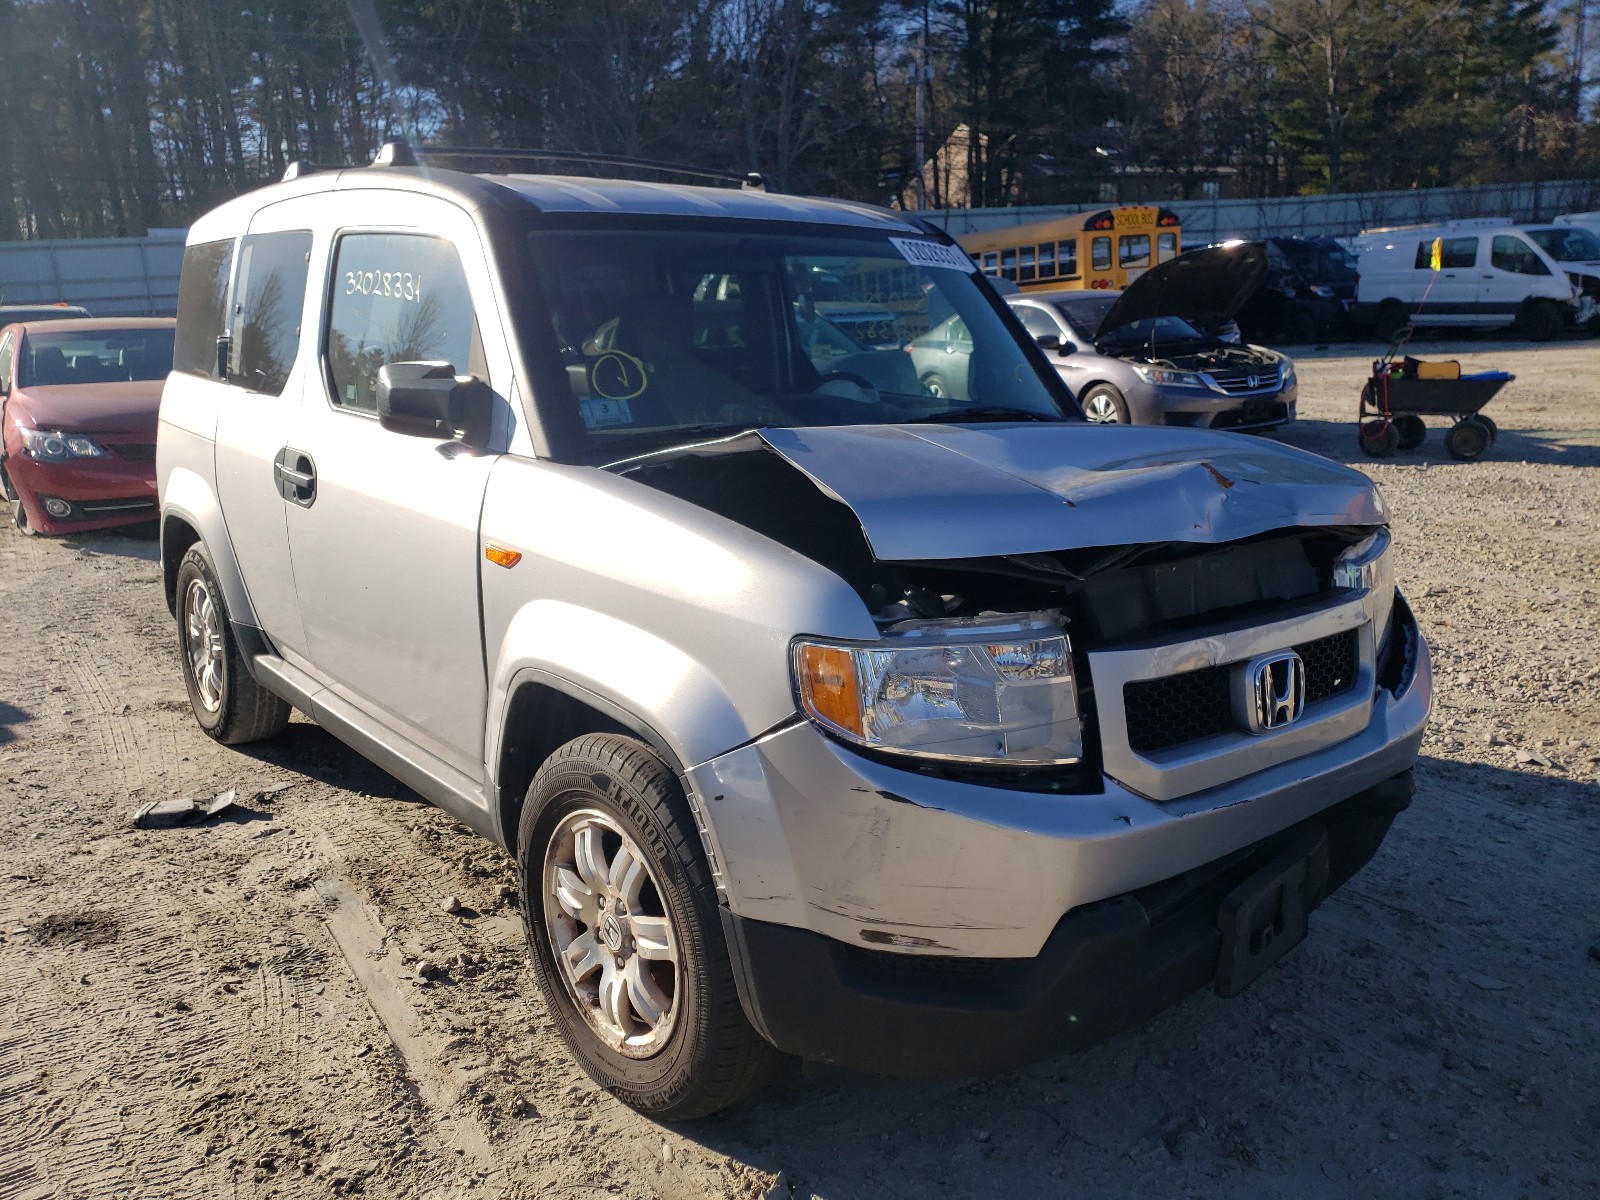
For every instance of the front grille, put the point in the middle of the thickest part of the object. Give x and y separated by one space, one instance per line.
1252 412
134 451
1178 709
1237 383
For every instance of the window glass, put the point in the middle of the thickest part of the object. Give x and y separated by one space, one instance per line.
669 333
1424 259
1458 254
1166 247
6 348
1515 255
1025 264
1047 260
397 297
96 356
1008 263
1100 254
202 307
1037 322
991 262
1569 244
270 297
1067 258
1133 250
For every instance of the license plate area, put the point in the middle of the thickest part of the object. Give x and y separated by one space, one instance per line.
1266 915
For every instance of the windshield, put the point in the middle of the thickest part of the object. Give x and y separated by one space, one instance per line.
98 356
1085 314
1567 245
1152 331
670 336
1320 262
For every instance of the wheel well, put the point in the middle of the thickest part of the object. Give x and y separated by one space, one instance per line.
177 535
540 720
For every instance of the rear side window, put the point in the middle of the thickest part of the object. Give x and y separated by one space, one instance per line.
1515 255
202 307
270 297
1456 254
1100 254
397 297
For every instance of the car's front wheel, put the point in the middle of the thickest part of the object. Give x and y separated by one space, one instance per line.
622 923
1104 405
229 705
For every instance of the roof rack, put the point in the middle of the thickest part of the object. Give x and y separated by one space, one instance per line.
402 154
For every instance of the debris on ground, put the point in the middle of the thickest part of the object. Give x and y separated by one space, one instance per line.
163 814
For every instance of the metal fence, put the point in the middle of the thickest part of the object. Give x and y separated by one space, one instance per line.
111 277
1323 216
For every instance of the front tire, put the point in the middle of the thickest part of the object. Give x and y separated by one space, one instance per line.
1104 405
622 923
229 705
1541 322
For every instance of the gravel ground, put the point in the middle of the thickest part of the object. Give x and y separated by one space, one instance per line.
284 1002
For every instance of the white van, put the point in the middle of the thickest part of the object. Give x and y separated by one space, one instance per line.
1541 278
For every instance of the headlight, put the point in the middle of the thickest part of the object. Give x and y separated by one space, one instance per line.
1366 566
1288 373
58 447
982 690
1168 378
1323 290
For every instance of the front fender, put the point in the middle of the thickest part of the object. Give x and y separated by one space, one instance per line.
626 668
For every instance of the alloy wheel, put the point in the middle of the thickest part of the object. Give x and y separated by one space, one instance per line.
202 642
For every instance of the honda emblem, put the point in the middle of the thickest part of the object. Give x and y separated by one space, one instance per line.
1274 691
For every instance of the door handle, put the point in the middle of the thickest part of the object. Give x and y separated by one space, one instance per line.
296 476
1488 276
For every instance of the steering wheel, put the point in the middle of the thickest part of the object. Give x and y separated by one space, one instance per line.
868 389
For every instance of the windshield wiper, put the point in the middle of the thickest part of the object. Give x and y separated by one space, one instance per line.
983 412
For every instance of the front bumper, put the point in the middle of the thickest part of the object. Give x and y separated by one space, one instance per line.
102 492
1105 967
805 833
1193 408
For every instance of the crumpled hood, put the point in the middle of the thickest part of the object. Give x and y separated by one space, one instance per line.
1204 287
931 492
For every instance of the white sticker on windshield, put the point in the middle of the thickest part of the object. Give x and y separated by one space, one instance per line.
605 414
934 254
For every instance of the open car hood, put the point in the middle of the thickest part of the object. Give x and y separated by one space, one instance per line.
934 492
1204 287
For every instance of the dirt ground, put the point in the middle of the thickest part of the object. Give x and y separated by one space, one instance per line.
278 1003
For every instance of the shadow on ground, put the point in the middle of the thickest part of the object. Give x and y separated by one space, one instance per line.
1551 447
11 716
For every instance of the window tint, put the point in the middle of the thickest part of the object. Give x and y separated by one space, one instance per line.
1515 255
270 296
202 307
1133 250
397 297
1100 254
95 356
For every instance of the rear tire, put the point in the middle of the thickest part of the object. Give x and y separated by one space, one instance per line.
1103 404
1412 432
1487 423
227 702
1379 439
674 1043
1467 440
1300 328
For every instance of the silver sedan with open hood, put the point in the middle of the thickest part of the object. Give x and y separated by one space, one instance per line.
1149 355
921 729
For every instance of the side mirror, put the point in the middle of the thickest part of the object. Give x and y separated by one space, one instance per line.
1066 349
428 399
1048 341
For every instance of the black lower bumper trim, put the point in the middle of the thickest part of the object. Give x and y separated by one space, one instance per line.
1106 967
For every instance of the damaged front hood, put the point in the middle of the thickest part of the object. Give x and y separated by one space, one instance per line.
943 492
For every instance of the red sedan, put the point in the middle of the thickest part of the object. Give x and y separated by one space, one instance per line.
78 405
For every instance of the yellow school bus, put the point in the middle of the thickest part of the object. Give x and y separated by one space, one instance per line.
1105 248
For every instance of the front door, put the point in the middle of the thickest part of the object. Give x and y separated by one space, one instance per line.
1513 270
384 532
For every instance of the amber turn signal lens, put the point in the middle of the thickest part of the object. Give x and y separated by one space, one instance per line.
828 685
502 556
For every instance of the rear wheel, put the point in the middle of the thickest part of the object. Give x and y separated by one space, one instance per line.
1541 321
622 922
1103 405
229 705
1410 430
1467 440
1487 423
1379 439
